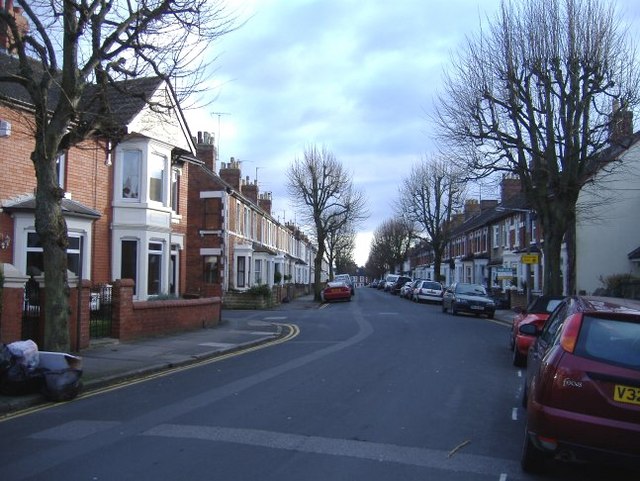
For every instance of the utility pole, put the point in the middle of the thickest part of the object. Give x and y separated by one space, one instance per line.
219 114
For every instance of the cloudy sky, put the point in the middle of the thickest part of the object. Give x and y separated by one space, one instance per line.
357 76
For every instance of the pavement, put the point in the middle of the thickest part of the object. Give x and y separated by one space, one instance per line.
108 362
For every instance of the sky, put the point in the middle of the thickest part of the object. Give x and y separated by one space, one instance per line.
359 77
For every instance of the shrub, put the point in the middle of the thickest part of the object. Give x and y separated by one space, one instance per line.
262 290
620 285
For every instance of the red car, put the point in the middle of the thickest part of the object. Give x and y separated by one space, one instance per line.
582 389
336 291
537 313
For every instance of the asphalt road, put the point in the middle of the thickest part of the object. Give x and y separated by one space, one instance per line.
374 389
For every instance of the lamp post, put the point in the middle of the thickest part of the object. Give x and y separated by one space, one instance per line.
527 234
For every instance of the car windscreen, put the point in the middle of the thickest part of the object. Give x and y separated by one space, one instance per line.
610 340
471 290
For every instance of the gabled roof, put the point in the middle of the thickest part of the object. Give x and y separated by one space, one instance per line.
70 207
125 101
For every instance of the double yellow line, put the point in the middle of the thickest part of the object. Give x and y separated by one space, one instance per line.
292 331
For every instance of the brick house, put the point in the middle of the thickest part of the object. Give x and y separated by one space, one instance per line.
234 240
490 238
125 199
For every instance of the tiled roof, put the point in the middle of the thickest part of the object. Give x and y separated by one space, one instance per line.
69 207
124 99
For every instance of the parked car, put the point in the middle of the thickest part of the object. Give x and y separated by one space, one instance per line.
347 279
470 298
381 284
405 290
399 282
536 313
336 291
374 283
582 387
427 291
389 281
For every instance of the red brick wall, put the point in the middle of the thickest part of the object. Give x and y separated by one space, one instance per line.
88 180
134 320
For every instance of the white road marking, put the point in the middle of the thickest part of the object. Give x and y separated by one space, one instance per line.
371 451
514 414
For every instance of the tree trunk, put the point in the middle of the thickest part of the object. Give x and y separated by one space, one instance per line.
317 286
552 266
52 230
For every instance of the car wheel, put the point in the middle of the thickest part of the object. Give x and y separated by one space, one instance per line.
512 341
444 308
532 459
454 311
518 359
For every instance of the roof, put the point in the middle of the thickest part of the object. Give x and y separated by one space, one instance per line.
70 207
124 99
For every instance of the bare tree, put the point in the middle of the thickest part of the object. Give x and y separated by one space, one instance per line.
532 95
70 56
391 242
323 192
428 197
340 243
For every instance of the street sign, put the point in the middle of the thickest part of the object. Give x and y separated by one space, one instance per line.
504 273
529 258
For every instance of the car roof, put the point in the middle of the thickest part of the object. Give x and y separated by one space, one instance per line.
609 304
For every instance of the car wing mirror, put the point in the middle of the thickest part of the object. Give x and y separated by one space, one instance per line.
529 330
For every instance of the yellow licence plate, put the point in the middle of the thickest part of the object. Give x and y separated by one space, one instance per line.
626 394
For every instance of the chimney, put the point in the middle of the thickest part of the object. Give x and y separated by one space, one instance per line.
205 149
621 125
250 191
264 201
230 173
471 209
487 204
509 187
6 37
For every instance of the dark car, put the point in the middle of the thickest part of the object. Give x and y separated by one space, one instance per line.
536 313
399 282
582 388
470 298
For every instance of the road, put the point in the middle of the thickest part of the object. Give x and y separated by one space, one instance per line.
379 388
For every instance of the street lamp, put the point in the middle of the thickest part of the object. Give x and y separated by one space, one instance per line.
527 234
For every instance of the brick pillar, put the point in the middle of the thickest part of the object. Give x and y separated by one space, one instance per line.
122 299
82 288
12 300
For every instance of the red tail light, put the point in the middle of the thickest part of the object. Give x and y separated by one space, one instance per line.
570 331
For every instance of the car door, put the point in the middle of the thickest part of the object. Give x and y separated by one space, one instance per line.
546 338
447 296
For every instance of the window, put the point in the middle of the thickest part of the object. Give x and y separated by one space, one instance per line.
258 272
154 269
61 167
131 174
35 255
129 261
240 272
210 270
156 178
175 190
73 255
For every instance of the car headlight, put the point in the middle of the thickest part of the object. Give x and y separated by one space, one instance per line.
461 301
